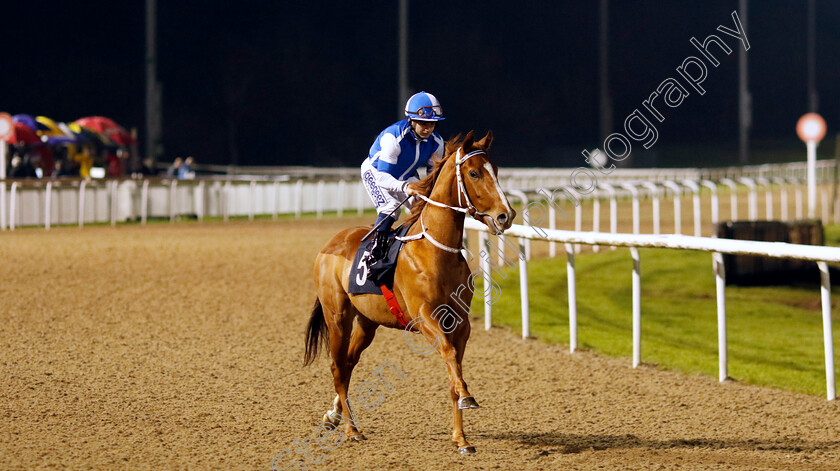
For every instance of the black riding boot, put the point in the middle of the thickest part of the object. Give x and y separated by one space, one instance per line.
379 249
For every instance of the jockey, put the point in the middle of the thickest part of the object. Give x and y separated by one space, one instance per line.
394 158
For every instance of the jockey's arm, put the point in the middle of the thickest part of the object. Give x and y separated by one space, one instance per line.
386 161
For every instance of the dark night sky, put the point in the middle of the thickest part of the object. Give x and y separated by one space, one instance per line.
312 83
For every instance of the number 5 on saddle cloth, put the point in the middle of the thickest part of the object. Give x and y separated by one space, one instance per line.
381 272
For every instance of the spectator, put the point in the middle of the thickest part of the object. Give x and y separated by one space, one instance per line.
187 172
112 167
172 171
147 168
19 168
60 170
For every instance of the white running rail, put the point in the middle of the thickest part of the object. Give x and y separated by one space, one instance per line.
715 246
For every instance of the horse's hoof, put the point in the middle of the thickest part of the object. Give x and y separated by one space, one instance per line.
467 403
467 450
358 437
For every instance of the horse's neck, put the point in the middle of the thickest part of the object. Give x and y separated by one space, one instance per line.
443 224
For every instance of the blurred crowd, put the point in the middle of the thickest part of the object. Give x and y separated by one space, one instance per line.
43 148
182 169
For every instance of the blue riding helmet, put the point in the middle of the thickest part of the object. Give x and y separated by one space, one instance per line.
423 106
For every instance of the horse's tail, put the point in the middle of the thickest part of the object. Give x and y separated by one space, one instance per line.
316 333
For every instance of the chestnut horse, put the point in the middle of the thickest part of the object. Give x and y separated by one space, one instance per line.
430 267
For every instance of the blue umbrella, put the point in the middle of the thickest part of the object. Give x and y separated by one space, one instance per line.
29 121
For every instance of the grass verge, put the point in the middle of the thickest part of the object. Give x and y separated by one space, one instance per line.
774 333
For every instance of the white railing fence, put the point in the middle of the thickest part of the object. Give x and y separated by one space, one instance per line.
75 201
705 203
716 247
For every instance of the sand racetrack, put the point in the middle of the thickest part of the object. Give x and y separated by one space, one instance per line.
180 346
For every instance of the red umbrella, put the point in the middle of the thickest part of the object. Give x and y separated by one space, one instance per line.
107 126
24 135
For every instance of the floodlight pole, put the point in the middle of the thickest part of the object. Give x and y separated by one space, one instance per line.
744 99
605 113
812 87
402 86
153 89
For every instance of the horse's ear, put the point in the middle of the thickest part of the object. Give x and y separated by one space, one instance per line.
485 142
468 143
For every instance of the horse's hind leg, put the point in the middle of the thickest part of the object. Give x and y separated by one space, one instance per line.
346 350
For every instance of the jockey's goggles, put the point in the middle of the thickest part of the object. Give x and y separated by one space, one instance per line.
427 112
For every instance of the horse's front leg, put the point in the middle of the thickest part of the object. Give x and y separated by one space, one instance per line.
451 349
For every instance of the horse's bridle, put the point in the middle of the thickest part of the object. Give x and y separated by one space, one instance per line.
462 189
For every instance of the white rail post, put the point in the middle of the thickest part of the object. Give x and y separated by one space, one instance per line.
173 200
276 186
783 197
144 202
226 189
3 202
798 201
720 289
570 276
112 186
613 209
634 193
252 199
81 214
199 202
484 245
677 205
552 219
825 295
654 194
525 202
502 245
47 205
298 198
319 199
824 205
341 190
596 217
714 203
768 197
13 206
578 221
523 290
360 199
733 197
637 307
223 200
695 204
753 198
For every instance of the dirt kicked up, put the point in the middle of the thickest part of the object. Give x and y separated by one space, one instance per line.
180 347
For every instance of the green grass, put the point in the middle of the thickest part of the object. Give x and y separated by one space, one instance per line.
774 334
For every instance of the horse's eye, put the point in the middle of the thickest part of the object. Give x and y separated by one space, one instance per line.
473 174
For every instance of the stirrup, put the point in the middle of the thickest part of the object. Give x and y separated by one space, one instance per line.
379 250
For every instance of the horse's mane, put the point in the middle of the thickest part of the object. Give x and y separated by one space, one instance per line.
425 185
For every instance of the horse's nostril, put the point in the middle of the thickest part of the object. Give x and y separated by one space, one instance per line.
502 218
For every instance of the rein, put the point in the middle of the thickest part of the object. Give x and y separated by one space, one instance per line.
462 189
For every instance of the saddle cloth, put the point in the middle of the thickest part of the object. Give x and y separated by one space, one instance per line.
364 281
